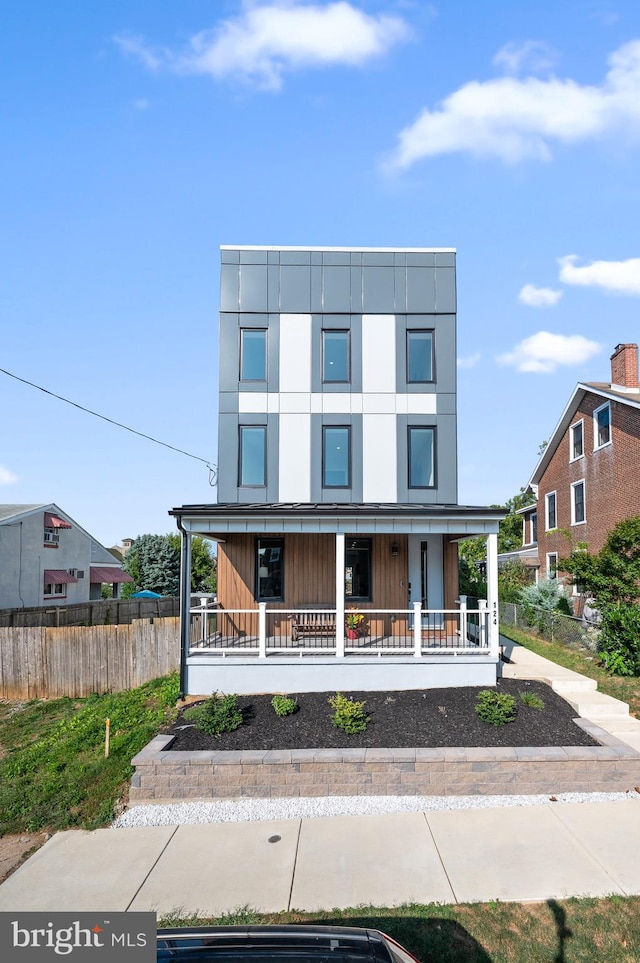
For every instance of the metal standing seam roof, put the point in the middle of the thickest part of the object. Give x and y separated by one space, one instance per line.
296 509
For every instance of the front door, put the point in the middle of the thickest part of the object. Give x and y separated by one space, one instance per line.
426 583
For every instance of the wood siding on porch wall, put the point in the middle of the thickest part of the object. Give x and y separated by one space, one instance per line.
309 576
309 572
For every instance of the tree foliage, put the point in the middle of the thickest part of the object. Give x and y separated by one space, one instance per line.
204 565
611 576
153 562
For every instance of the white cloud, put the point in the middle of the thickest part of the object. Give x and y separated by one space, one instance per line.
532 54
539 297
268 39
470 361
543 352
7 477
620 277
514 119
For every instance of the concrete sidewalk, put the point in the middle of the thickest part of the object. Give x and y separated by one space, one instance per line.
526 853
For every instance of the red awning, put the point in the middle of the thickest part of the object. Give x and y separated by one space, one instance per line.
52 521
58 576
108 575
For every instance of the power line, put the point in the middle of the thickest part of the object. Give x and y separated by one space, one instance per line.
212 468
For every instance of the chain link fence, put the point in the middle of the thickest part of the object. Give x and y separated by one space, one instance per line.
552 626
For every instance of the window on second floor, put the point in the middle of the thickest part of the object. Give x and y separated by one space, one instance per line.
336 456
253 354
602 426
335 356
550 511
578 509
422 457
419 356
252 468
577 441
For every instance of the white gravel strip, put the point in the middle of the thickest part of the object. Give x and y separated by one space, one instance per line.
251 810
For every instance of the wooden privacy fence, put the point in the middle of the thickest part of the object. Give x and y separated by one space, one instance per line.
98 612
45 663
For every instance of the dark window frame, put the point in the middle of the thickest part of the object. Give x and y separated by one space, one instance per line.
241 429
434 434
261 543
254 381
325 429
336 381
362 545
420 381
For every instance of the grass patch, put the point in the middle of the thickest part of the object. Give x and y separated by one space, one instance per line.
53 771
571 931
531 700
586 663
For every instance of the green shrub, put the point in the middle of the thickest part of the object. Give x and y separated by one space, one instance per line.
218 714
619 642
496 708
531 699
284 705
347 714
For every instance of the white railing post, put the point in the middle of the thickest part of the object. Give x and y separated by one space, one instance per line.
340 595
262 630
463 618
203 606
417 630
492 595
483 619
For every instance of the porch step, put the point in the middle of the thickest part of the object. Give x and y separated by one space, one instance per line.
597 706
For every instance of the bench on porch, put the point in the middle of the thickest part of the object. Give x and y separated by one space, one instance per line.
312 620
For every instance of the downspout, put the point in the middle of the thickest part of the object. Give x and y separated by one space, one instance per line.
185 603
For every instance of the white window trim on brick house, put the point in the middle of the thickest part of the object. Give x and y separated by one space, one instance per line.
572 455
552 565
596 446
575 485
547 497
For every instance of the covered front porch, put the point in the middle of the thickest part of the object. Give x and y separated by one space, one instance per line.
314 597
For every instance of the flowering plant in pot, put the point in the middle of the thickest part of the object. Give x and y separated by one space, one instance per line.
353 622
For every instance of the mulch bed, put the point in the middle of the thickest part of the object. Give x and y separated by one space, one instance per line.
430 718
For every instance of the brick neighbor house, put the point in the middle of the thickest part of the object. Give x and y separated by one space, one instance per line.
588 477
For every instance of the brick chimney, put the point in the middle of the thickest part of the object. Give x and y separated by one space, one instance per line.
624 366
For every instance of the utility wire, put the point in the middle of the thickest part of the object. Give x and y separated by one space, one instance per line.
212 468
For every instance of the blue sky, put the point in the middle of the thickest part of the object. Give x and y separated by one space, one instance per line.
137 137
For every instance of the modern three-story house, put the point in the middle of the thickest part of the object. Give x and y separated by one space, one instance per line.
337 518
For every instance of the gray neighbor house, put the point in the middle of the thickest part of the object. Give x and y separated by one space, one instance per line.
338 519
47 558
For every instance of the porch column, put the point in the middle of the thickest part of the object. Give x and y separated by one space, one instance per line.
185 605
340 595
492 594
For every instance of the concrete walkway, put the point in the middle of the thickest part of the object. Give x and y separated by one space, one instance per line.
527 853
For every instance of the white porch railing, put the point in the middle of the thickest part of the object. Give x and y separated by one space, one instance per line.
310 631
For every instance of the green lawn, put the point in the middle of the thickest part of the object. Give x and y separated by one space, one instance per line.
568 931
53 770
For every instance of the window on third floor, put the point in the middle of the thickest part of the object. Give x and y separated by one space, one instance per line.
335 356
419 357
602 426
253 354
576 441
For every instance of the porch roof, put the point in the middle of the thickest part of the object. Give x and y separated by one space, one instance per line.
457 520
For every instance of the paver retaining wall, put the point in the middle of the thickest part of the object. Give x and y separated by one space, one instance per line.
169 776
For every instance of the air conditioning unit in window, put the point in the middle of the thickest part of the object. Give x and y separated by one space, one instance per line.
51 537
79 573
